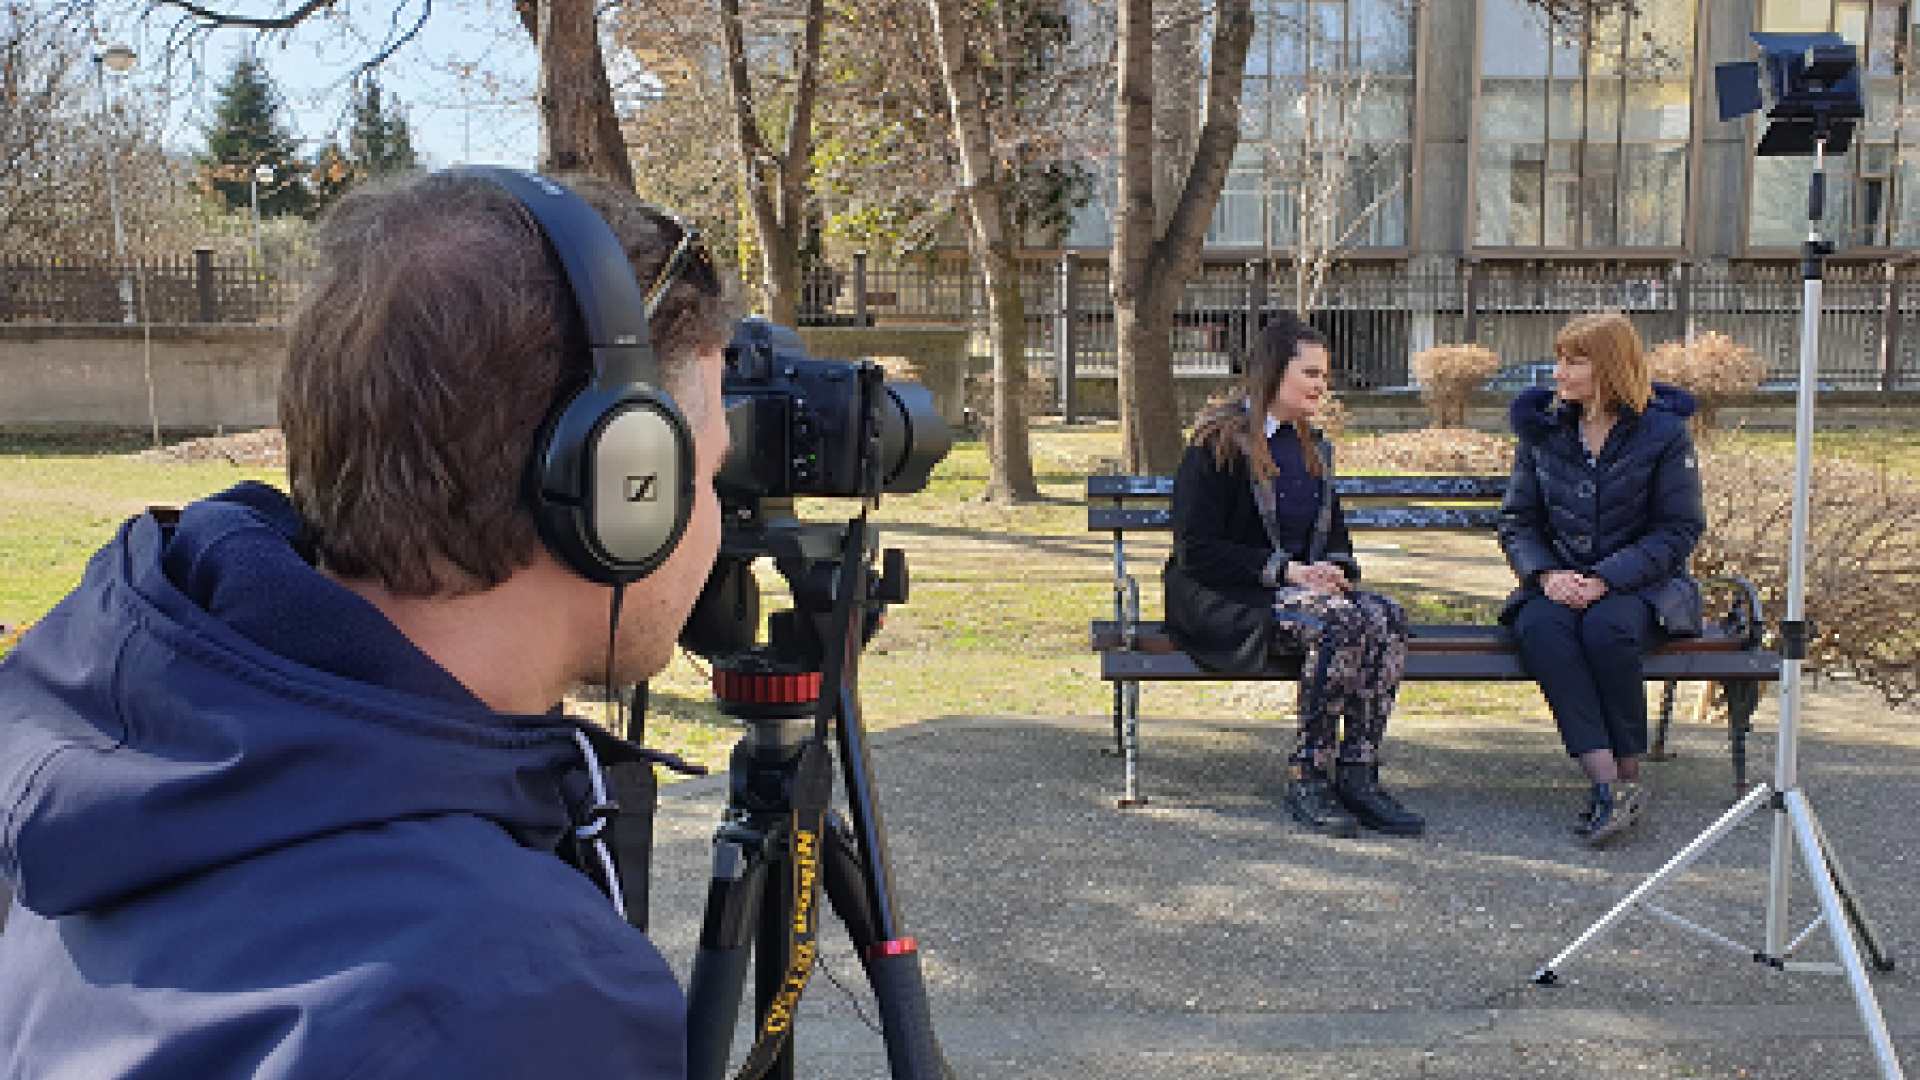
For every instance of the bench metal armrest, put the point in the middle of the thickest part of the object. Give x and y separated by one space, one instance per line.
1744 617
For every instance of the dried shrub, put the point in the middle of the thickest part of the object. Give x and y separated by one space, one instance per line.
1452 451
1448 375
1715 369
1863 559
1333 418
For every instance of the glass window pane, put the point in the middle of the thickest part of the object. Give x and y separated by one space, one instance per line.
1511 111
1385 29
1656 111
1795 16
1559 222
1599 196
1653 186
1779 217
1508 186
1513 41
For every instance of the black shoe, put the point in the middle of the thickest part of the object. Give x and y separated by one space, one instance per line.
1611 811
1358 789
1311 801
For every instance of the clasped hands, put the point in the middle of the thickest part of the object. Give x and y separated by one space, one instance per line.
1320 577
1572 588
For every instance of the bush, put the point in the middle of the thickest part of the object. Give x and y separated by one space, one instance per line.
1716 370
1448 375
1863 559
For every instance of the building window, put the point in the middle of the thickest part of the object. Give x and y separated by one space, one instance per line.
1871 201
1584 126
1326 148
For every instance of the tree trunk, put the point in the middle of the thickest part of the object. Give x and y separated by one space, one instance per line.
984 186
579 131
776 184
1151 267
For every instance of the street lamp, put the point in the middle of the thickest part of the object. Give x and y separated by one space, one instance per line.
120 59
262 174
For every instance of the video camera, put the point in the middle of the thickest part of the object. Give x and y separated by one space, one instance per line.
797 423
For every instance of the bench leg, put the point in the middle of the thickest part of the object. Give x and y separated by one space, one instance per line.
1119 746
1659 750
1130 742
1742 699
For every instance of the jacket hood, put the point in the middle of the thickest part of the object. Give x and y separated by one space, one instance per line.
205 695
1537 409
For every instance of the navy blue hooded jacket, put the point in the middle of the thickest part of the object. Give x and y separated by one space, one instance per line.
253 832
1632 517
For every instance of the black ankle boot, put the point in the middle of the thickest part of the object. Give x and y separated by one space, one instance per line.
1358 789
1311 801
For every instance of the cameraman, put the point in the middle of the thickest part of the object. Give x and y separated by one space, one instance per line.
283 784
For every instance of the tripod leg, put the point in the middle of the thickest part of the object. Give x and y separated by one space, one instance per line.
1548 975
893 969
1855 913
720 966
1800 815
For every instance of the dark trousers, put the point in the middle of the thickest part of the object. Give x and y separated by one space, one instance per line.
1588 665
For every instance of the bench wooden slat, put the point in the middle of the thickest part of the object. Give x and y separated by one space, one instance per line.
1349 487
1422 638
1451 666
1409 516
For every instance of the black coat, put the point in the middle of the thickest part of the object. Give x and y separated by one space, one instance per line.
1632 518
1217 608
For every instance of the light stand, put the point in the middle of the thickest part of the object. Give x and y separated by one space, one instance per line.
1795 826
121 60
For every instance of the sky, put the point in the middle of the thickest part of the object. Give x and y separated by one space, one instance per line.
465 80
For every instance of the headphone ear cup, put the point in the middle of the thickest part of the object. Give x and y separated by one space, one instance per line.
614 482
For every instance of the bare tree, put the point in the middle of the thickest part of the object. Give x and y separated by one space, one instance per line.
776 182
1151 262
1005 107
63 134
1326 131
579 129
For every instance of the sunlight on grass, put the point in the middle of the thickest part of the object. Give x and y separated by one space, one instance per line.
996 618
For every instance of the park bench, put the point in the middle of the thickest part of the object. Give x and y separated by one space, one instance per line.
1134 649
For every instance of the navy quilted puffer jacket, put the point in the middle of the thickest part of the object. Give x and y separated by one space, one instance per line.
1631 517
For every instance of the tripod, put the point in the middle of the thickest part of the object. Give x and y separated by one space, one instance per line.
1795 827
780 839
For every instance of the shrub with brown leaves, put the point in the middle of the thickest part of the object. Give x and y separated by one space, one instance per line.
1448 375
1448 451
1863 559
1715 369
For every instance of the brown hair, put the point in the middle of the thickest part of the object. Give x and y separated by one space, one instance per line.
1609 342
1229 427
424 357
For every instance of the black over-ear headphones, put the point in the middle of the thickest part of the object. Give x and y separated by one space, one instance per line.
610 482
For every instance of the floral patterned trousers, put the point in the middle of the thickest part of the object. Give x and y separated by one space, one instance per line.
1356 650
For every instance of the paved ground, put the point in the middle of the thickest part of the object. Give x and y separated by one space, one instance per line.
1206 936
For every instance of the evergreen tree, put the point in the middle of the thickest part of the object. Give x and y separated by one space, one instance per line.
247 132
381 141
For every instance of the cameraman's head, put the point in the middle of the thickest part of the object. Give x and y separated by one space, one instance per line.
434 341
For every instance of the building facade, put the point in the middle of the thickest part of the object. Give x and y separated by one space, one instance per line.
1511 163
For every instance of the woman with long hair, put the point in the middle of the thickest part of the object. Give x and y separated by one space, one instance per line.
1602 513
1262 562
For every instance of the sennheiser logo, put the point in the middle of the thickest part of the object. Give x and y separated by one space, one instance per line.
643 488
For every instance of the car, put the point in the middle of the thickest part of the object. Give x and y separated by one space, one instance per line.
1520 376
1791 385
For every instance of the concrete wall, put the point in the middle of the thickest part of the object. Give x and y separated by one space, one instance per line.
201 377
207 377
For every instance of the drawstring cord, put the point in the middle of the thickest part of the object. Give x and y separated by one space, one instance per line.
598 814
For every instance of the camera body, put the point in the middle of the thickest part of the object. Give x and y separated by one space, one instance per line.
806 426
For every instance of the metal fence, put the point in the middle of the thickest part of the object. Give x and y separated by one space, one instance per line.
1377 314
198 288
